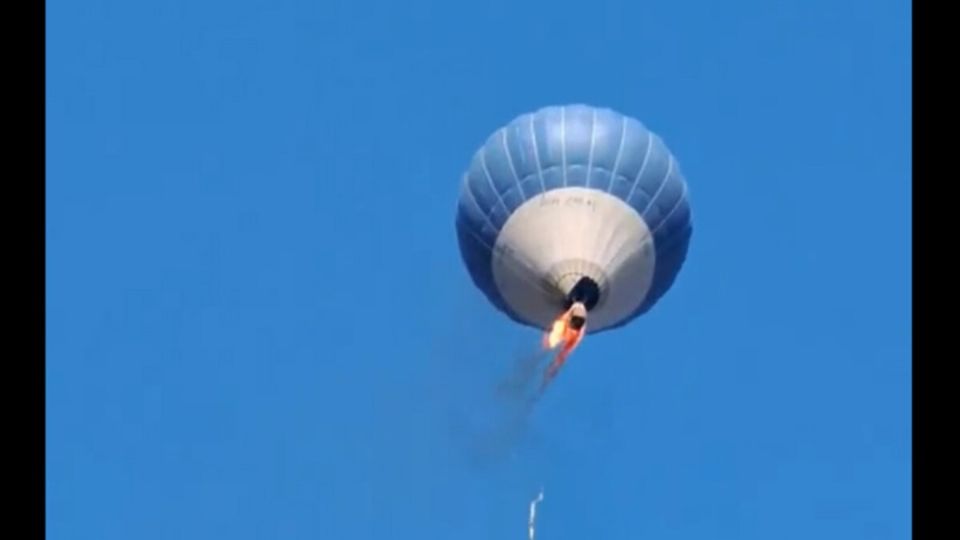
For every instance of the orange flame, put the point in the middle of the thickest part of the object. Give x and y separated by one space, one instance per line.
573 339
555 335
560 332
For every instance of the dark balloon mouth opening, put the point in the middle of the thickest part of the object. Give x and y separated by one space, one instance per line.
586 291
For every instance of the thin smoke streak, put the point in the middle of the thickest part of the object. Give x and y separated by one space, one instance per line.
533 515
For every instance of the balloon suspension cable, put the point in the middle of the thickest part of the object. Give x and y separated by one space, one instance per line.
531 522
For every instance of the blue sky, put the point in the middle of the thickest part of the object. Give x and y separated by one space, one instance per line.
259 325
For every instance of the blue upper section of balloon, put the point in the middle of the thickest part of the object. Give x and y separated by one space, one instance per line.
574 145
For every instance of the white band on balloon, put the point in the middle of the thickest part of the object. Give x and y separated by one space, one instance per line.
555 238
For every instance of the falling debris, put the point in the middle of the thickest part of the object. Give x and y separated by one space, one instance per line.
533 514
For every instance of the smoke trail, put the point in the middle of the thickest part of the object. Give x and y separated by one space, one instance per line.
533 514
526 367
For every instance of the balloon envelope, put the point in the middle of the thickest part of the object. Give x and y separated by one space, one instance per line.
573 203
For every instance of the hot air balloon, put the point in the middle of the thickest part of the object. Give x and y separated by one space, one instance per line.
573 205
